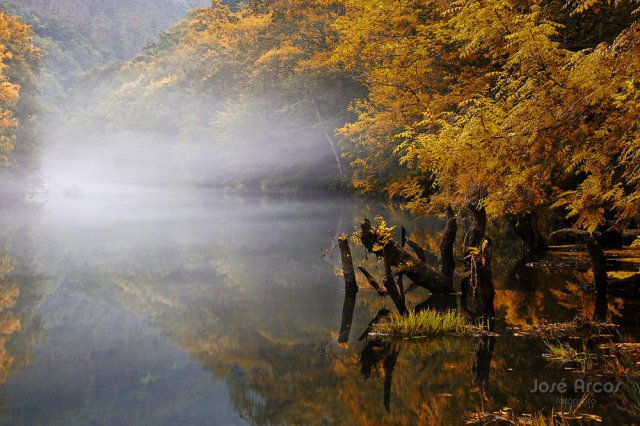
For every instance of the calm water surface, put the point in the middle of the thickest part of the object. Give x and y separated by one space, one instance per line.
200 307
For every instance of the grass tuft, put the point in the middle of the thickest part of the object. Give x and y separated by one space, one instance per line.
424 323
564 353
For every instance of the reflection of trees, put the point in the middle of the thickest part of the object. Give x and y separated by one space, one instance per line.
9 324
251 300
18 326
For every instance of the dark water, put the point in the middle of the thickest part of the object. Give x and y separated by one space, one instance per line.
195 307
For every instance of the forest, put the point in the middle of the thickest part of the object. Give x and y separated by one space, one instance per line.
399 98
500 137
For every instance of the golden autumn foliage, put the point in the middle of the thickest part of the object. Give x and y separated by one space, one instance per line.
521 99
19 61
522 105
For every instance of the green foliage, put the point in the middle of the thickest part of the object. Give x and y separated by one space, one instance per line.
563 352
429 322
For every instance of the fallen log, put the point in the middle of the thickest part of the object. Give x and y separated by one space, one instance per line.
405 262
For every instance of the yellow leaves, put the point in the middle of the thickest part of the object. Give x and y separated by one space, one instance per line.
587 203
282 58
16 57
156 85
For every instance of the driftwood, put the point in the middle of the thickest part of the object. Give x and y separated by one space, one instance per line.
405 262
373 282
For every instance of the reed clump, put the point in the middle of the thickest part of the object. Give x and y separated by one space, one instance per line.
428 322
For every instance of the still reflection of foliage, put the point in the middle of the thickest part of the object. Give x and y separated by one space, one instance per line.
245 292
9 324
19 326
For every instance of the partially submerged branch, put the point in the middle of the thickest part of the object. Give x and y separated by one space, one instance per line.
407 263
373 282
390 284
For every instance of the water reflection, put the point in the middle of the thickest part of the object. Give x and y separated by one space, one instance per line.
209 307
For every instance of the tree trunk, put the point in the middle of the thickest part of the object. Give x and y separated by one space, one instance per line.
474 235
417 250
347 265
447 261
328 138
598 265
479 294
525 224
347 315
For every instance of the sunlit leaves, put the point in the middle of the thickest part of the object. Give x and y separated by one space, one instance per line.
18 59
495 98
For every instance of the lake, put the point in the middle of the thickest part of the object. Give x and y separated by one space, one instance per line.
144 306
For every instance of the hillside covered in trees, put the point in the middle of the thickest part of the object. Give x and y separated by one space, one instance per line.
522 107
525 106
19 66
